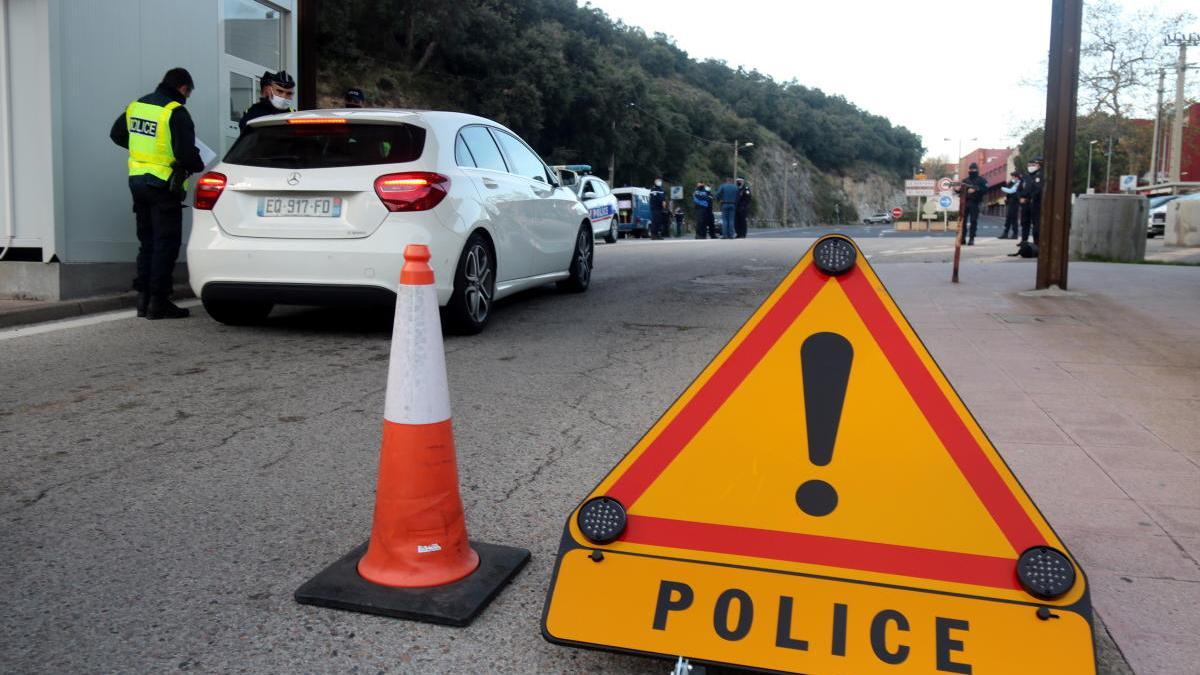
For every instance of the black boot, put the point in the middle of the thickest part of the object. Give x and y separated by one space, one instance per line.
162 308
142 303
971 241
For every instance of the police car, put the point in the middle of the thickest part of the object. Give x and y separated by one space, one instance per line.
596 196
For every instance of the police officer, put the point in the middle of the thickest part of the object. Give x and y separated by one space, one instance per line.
658 210
354 98
1011 206
161 140
276 92
706 225
1030 194
743 208
972 189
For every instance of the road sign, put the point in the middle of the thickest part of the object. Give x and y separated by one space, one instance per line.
919 188
1128 183
897 212
820 500
676 192
947 201
944 184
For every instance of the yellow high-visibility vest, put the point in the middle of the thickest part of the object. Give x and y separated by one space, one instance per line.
150 139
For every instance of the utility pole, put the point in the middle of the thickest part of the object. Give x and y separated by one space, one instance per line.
1177 125
1162 75
1062 85
785 191
1108 166
737 145
1091 146
612 158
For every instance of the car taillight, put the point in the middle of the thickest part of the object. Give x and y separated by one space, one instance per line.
412 191
208 189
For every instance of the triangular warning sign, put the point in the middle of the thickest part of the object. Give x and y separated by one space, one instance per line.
820 484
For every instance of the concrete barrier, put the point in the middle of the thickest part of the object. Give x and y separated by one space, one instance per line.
1109 227
1183 223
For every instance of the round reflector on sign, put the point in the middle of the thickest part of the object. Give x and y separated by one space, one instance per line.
601 520
834 255
1045 572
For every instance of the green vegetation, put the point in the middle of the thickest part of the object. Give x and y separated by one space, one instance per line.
564 77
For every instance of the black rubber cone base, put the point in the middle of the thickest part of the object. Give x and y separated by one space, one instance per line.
340 587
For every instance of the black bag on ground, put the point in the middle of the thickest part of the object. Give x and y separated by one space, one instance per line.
1027 249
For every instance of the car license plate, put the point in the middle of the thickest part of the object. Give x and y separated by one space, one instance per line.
305 207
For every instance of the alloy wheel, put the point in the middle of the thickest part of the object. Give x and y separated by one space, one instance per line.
480 283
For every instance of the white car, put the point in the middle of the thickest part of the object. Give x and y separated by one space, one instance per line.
597 197
316 208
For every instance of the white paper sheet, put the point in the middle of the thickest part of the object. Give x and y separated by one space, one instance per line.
206 153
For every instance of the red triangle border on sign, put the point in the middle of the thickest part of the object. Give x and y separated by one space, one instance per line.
966 452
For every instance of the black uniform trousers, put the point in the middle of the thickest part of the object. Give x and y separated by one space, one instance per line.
970 221
739 221
706 224
1031 220
1011 217
659 224
159 216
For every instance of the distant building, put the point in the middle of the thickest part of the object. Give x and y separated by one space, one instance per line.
1190 157
994 165
67 69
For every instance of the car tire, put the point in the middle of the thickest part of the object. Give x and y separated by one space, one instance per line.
237 313
611 237
471 303
580 270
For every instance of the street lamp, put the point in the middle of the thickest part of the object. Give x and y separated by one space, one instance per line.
1091 146
735 154
958 160
785 190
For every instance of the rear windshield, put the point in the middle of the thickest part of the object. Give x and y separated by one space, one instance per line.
316 146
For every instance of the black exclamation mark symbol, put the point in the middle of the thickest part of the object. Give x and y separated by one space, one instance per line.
825 366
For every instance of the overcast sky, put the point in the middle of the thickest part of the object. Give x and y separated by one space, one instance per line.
874 52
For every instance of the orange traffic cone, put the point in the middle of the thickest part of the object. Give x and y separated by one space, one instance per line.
419 537
419 563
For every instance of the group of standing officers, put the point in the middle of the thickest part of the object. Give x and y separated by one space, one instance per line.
160 137
733 197
1023 201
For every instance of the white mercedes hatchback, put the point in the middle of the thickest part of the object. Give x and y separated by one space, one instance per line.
316 207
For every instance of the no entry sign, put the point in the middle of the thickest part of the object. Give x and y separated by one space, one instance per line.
897 212
820 500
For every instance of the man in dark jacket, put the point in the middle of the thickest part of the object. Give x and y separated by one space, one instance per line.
706 225
1011 205
276 91
658 210
972 189
743 208
161 139
1030 195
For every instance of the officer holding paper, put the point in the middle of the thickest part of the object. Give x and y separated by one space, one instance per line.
161 139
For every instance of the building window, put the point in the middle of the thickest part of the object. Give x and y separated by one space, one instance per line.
254 33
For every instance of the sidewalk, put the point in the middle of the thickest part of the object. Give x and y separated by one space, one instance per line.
22 312
1094 401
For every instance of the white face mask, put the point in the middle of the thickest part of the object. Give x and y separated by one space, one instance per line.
280 102
1032 168
658 183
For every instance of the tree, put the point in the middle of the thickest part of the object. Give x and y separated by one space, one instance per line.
1120 57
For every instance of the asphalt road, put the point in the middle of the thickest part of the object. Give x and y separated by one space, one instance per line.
167 485
989 226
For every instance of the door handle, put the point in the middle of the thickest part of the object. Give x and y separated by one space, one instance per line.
490 184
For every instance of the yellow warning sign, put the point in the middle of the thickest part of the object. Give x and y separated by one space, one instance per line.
819 500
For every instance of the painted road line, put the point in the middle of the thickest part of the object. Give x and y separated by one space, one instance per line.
80 322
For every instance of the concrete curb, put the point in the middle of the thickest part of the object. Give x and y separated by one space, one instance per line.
69 309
